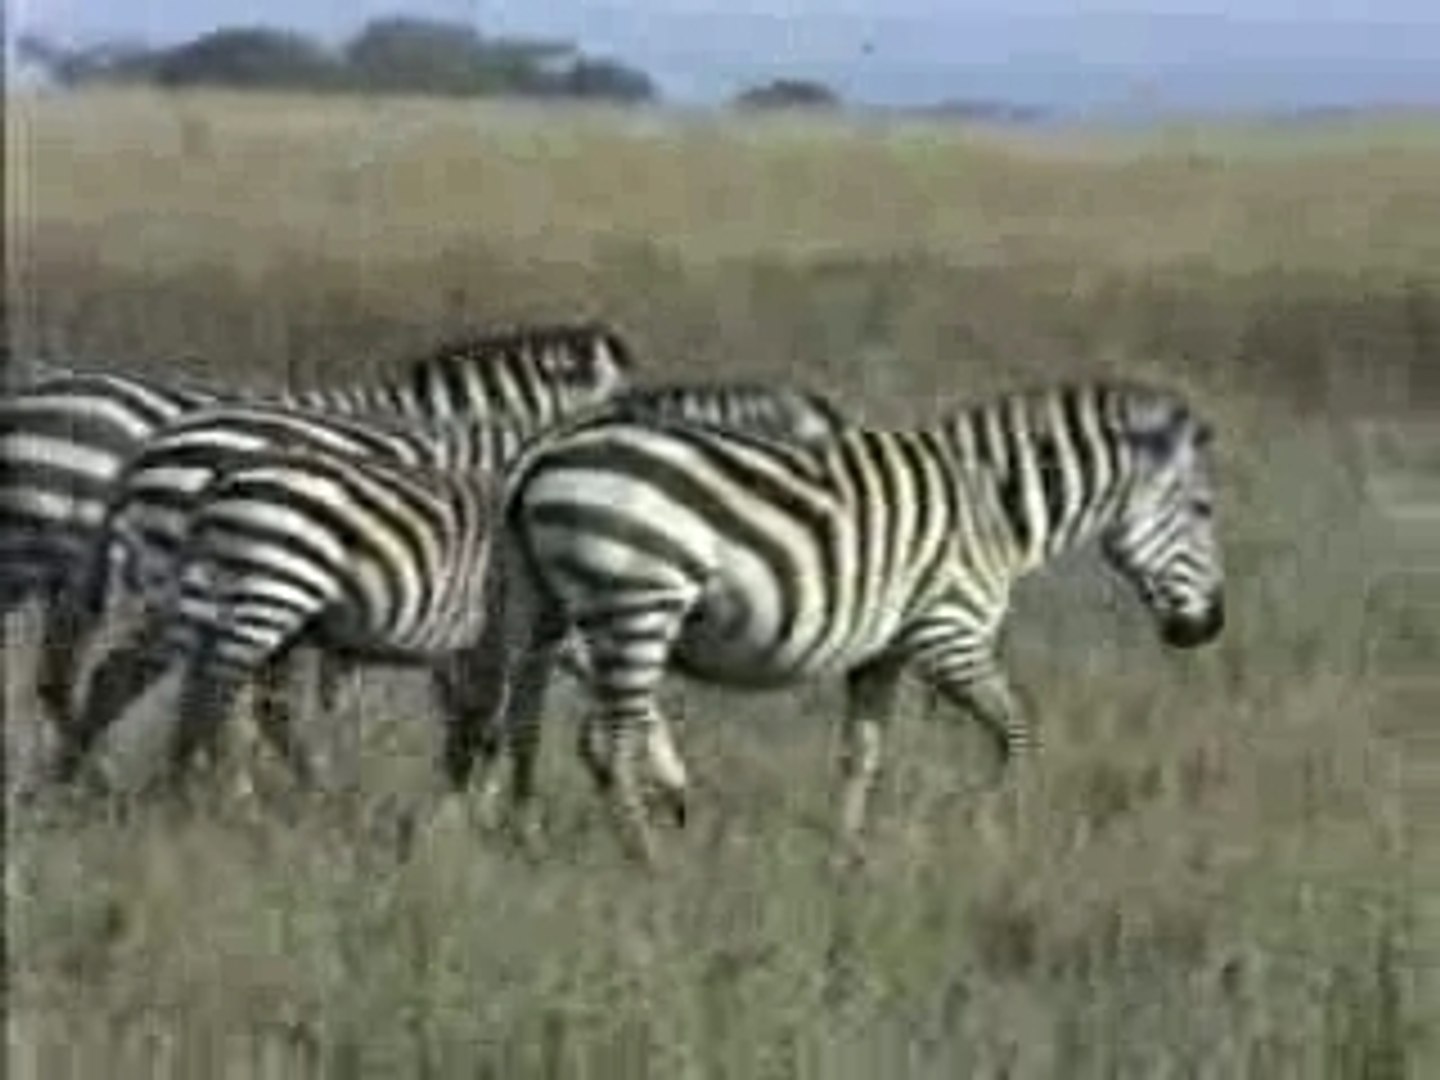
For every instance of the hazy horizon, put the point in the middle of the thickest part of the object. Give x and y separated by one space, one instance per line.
1147 54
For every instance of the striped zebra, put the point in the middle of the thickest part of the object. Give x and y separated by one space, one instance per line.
372 559
779 412
752 563
156 490
64 439
157 493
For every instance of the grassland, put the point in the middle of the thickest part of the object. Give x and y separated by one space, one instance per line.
1231 865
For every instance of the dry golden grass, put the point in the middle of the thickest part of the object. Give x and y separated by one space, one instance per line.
1230 865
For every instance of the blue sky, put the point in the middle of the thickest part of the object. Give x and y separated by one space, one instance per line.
1081 55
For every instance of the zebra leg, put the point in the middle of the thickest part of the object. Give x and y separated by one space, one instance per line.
67 626
988 698
982 690
667 771
122 676
65 633
331 672
665 768
871 691
959 665
274 717
207 692
629 652
473 697
517 726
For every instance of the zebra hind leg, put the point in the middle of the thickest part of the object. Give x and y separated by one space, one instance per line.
121 677
65 633
630 651
207 693
275 692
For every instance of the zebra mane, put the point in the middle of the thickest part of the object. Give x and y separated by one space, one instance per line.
750 390
575 336
1138 413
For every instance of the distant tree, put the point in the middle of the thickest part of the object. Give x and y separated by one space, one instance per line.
416 55
607 80
525 67
788 94
389 55
249 57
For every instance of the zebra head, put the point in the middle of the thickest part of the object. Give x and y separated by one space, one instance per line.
1163 536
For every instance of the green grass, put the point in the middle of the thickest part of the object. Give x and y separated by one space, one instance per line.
1226 866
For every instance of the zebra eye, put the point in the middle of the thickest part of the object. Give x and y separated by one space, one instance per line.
1204 436
1204 509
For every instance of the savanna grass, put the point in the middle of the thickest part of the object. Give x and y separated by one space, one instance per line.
1229 864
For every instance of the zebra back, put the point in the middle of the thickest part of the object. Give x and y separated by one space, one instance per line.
148 511
533 376
781 412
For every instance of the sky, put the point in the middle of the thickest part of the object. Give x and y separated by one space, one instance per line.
1072 55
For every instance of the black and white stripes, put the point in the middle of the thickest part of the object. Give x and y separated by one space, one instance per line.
173 480
367 558
753 563
64 439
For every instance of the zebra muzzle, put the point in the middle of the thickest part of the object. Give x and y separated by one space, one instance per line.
1188 632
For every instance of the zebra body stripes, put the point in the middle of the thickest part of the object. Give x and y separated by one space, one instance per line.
64 439
158 491
752 563
370 559
152 496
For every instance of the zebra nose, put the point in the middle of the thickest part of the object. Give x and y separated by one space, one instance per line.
1189 631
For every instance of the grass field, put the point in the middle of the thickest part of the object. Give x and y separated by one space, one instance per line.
1226 870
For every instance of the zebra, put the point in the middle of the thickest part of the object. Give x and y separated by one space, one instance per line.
157 492
782 412
747 562
64 438
370 558
150 499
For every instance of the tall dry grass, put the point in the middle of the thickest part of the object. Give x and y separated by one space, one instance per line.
1229 867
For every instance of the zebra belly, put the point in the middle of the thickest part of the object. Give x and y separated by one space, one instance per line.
719 644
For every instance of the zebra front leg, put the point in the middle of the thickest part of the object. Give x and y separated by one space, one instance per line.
871 691
959 664
990 701
984 693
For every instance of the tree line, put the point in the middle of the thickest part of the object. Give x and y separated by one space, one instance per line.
388 55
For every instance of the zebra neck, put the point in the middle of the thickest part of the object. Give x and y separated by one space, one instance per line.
1045 492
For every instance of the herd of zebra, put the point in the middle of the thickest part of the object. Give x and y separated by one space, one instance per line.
523 499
